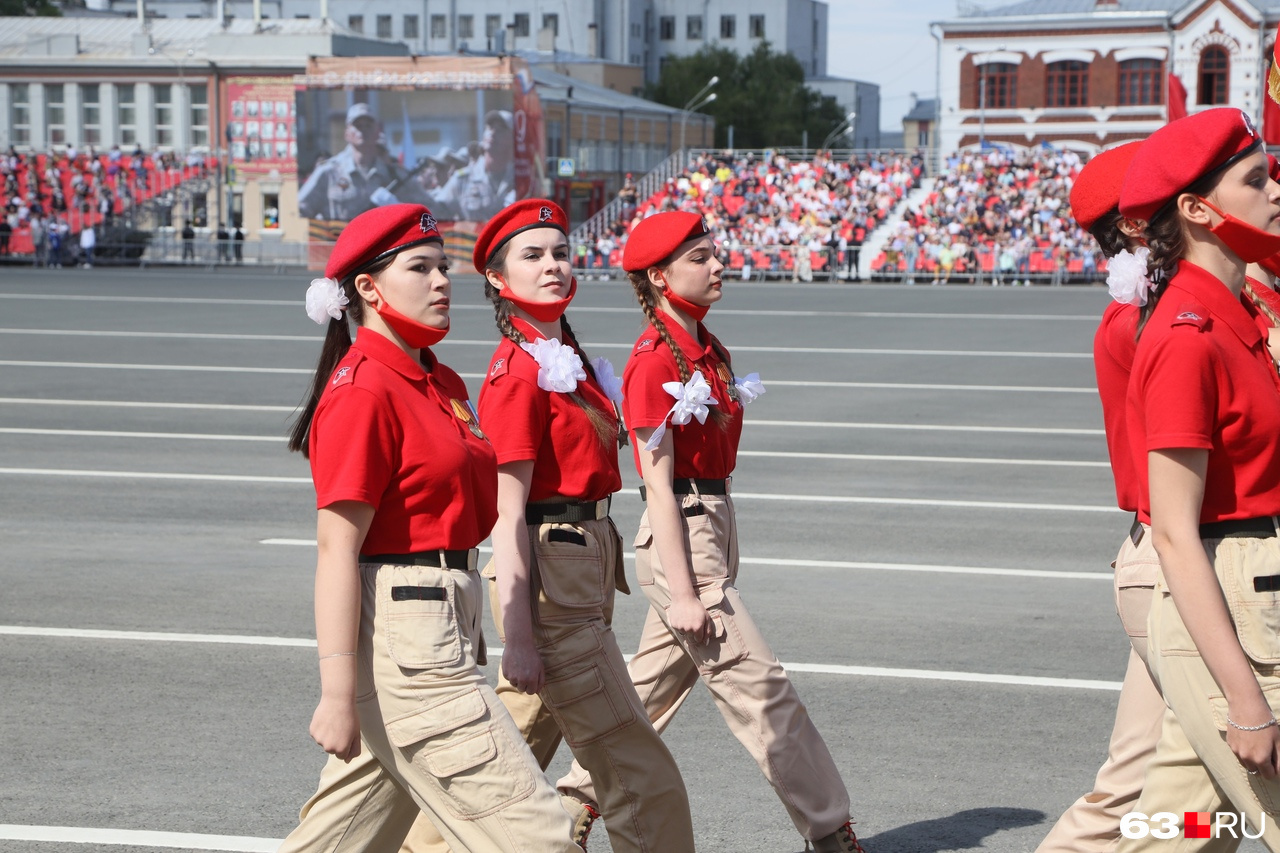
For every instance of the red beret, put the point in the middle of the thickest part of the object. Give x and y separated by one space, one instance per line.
654 239
521 216
1182 153
1096 191
377 233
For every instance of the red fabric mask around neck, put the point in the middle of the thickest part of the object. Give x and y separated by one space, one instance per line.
684 306
1250 244
543 312
416 335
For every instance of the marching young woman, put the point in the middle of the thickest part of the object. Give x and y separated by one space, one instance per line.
687 549
406 488
1092 823
1203 415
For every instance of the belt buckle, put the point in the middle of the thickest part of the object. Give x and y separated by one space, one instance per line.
473 559
602 509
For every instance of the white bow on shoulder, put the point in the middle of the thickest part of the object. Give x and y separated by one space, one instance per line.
559 367
609 381
749 387
692 399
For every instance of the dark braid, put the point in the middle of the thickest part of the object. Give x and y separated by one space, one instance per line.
1168 243
649 305
605 425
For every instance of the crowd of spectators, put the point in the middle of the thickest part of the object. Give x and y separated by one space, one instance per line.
772 215
50 199
998 213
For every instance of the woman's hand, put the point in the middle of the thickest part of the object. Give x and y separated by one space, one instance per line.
336 727
522 665
1257 751
689 617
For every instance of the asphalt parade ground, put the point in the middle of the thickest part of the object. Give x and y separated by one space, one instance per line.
927 521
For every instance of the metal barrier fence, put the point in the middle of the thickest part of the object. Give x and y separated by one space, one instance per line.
751 263
987 265
165 248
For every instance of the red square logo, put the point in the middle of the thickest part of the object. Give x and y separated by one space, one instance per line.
1195 824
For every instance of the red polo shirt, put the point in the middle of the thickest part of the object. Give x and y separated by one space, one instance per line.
391 434
1202 379
701 450
1113 349
525 422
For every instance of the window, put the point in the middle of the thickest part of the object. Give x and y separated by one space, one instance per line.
492 25
1066 84
162 94
635 31
20 113
693 28
355 23
756 26
466 26
997 85
922 135
411 26
55 113
90 114
521 24
384 26
551 22
439 26
270 210
1141 82
1215 65
728 26
667 27
126 113
199 99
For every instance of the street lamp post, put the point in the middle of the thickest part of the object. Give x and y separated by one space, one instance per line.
843 127
698 101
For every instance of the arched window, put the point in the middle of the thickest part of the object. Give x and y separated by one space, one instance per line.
1215 68
1141 83
1067 84
997 86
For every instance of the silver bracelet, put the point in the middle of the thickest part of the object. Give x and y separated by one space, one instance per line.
1268 724
353 654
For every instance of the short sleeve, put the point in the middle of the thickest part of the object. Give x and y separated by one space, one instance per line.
514 415
353 443
645 403
1179 393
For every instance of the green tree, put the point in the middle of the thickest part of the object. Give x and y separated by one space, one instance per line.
27 8
762 95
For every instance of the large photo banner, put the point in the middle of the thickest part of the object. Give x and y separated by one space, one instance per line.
462 135
258 114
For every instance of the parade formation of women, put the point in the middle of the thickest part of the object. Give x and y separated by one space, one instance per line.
411 477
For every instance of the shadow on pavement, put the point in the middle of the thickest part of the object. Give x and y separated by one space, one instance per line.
964 830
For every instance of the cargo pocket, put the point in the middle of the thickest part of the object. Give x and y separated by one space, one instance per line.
726 647
1173 638
644 555
418 610
570 566
476 764
1255 611
1135 595
585 695
1267 791
706 547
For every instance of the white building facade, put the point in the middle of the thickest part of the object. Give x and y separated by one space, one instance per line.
1091 74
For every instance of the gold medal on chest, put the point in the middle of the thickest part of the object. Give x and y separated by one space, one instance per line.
726 377
467 415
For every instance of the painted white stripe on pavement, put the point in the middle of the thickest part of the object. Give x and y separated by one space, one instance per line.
964 460
151 475
138 404
775 562
208 336
102 433
139 838
915 386
925 427
190 368
820 668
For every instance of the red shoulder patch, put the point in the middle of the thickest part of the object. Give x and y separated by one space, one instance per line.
501 365
646 344
346 372
1191 314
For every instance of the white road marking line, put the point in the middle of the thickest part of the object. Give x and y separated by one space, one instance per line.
102 433
208 336
916 386
190 368
762 496
774 562
820 668
963 460
298 303
139 838
925 427
136 404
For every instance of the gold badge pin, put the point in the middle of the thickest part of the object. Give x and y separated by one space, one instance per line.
466 414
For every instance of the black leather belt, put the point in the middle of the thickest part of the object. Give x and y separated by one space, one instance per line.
566 512
694 485
1136 531
1240 528
460 560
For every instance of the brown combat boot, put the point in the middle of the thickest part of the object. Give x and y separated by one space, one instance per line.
842 840
584 817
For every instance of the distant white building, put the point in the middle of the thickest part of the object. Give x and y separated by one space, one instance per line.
1091 74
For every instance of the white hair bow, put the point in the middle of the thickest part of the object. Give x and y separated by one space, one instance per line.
1127 277
559 367
325 299
692 399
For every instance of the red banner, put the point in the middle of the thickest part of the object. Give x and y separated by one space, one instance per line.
1177 98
